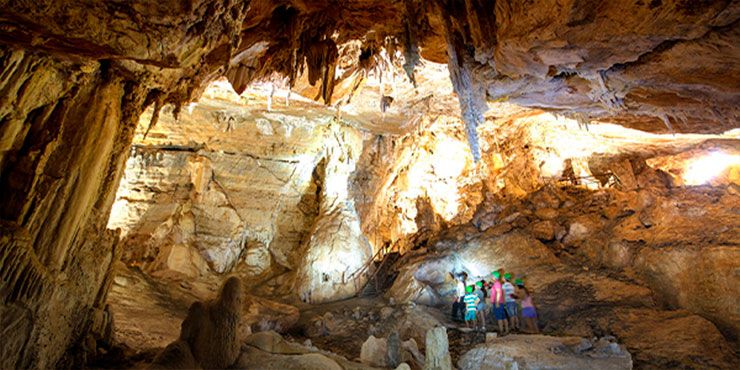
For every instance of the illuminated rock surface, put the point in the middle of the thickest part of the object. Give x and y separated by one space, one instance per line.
539 351
150 150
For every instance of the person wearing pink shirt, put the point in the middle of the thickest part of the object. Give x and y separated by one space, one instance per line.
497 300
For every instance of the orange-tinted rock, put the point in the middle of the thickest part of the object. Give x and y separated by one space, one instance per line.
546 213
672 339
544 230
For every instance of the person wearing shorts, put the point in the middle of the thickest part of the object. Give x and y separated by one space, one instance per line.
510 302
529 313
481 309
471 306
497 301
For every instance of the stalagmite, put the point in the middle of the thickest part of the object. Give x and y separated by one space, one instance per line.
344 216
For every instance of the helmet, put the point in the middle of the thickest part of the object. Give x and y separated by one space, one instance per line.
469 289
519 281
496 274
507 276
479 284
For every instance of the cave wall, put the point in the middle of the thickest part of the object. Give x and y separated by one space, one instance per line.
232 188
410 186
603 197
413 184
222 188
75 78
66 125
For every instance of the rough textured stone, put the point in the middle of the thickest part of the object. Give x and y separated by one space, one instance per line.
77 75
539 351
263 314
437 350
545 230
671 339
374 352
241 203
703 281
252 358
336 251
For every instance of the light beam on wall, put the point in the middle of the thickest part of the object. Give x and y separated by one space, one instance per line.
706 168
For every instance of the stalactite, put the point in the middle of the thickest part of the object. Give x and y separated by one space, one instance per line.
582 121
240 76
470 92
21 273
158 102
601 93
321 59
411 40
667 122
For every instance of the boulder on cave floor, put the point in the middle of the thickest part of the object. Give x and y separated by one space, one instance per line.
671 339
263 314
546 352
270 351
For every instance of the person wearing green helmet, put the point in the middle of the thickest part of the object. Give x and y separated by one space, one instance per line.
512 308
471 306
480 290
497 301
529 312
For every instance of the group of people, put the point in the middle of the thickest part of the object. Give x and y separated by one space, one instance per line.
509 299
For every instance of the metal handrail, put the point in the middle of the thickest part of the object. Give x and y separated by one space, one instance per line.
591 177
365 266
381 253
380 267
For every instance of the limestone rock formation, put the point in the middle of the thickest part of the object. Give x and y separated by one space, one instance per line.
539 351
437 350
590 147
373 352
242 203
336 250
267 350
263 314
209 334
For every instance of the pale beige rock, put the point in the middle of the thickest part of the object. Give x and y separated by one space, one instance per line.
182 259
540 351
336 250
373 351
252 358
437 350
263 314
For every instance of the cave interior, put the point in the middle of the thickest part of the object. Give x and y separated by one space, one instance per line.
290 184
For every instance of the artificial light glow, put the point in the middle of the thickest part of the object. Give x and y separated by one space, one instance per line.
704 169
449 158
552 166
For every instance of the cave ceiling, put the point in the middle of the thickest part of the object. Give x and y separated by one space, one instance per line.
659 66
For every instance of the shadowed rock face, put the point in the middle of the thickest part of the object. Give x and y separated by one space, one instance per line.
76 77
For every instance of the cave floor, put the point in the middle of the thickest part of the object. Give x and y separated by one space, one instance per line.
147 314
